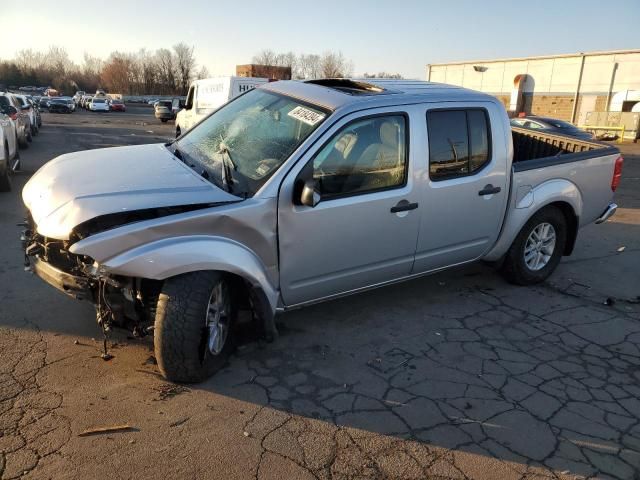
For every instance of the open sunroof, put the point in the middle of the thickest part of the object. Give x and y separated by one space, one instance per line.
351 87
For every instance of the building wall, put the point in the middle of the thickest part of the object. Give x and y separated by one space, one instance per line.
264 71
551 82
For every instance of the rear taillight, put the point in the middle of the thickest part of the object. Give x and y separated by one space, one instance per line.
617 174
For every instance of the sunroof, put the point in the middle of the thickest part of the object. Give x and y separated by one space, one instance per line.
350 87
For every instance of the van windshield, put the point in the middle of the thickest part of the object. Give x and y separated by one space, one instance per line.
244 142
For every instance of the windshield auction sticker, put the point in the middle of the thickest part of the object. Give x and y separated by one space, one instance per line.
305 115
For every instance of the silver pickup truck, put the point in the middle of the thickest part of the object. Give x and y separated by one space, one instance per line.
300 192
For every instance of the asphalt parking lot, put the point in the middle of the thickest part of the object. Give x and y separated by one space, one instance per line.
454 376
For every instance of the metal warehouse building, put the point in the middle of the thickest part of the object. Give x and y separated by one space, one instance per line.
567 87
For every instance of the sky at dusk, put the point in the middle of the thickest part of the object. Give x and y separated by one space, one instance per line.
401 36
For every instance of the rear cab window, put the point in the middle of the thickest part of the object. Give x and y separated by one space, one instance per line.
459 142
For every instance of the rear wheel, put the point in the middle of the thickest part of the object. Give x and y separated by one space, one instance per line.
537 250
5 180
24 142
193 326
163 120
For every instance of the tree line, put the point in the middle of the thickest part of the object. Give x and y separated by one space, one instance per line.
163 72
307 66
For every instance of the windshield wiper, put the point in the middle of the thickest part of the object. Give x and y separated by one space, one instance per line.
228 176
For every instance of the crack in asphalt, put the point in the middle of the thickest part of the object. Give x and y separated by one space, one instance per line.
31 429
551 394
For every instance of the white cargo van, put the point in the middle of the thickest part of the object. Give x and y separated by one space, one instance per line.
208 94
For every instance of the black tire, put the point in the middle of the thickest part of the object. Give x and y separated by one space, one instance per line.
163 120
177 132
180 333
24 142
28 136
515 269
5 180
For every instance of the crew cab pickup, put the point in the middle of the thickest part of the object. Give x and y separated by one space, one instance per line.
300 192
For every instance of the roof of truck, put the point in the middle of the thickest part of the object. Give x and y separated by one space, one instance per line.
334 93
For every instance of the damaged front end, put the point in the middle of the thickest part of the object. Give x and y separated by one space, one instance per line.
120 301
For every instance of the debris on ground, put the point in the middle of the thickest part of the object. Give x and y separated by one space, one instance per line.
621 249
151 360
177 423
168 390
609 302
110 429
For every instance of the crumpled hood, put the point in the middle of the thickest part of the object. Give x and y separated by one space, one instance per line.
77 187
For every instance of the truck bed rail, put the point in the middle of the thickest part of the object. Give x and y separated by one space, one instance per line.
533 149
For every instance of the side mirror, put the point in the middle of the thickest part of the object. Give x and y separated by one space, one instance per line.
310 196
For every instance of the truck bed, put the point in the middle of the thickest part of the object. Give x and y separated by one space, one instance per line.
533 149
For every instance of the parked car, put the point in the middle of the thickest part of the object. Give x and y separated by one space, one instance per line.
36 108
177 104
59 105
22 119
43 103
99 105
153 101
9 155
408 178
117 105
162 110
70 102
206 95
551 125
27 107
78 96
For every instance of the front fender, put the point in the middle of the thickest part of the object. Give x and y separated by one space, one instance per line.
526 201
169 257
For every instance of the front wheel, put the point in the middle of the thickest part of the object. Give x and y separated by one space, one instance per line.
193 326
537 250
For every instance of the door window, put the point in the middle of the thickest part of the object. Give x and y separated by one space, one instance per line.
459 142
366 155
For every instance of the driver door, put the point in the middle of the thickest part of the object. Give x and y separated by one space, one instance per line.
363 231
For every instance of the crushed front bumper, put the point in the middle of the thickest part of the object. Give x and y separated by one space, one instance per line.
74 286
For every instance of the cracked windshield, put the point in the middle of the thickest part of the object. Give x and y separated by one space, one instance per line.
241 145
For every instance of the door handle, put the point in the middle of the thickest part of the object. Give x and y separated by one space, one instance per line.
489 190
404 206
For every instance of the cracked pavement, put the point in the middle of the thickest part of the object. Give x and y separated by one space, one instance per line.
454 376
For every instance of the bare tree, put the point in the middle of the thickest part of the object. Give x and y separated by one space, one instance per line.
116 74
265 57
91 65
202 73
185 65
166 70
57 60
308 66
334 65
383 75
29 60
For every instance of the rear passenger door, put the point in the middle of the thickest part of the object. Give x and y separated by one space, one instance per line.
465 197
